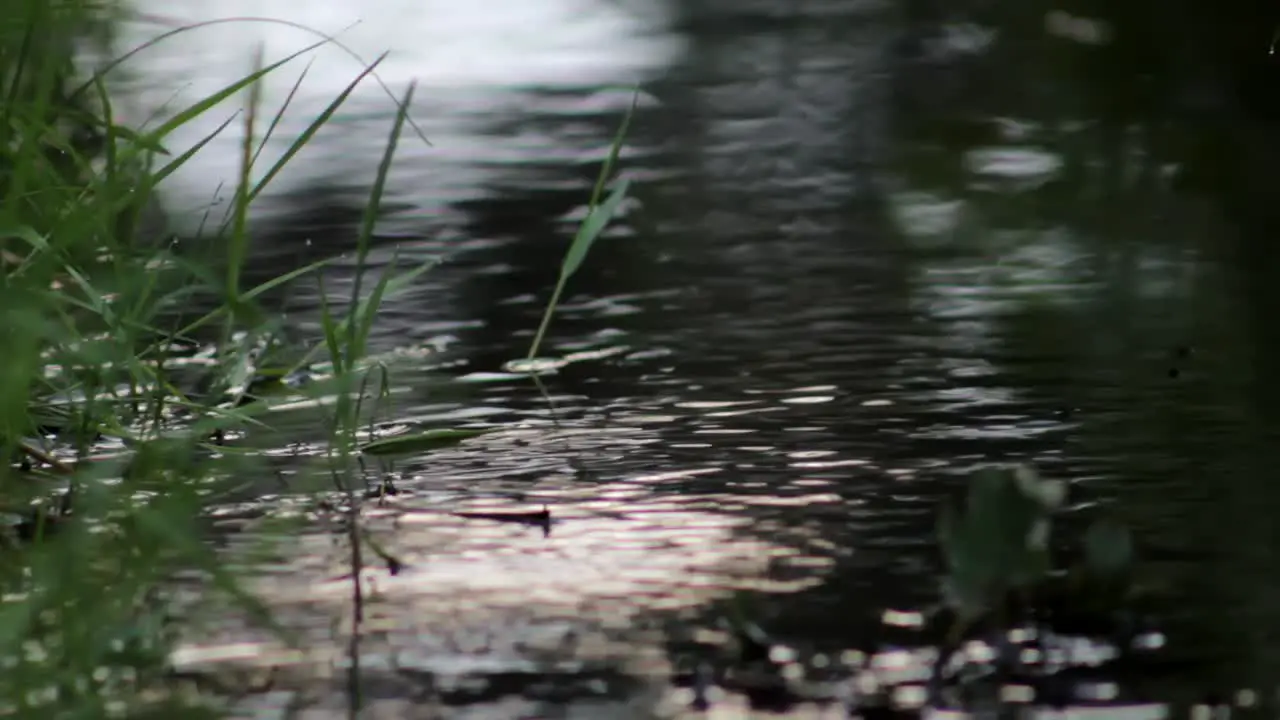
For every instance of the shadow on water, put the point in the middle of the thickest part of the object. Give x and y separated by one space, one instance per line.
867 255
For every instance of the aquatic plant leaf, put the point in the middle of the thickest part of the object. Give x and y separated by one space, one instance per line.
1000 516
591 228
966 597
598 215
185 116
534 366
999 540
424 441
971 571
1108 549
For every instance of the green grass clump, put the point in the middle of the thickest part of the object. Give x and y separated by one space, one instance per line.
108 460
111 448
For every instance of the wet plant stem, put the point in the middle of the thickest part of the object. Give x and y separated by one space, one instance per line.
354 689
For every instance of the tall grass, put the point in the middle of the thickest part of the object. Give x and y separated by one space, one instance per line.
111 462
81 632
111 451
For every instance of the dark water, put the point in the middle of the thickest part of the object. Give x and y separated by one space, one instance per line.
867 254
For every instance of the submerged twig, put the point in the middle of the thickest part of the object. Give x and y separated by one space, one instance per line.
539 518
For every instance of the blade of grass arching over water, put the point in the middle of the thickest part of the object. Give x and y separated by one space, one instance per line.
598 216
201 106
325 39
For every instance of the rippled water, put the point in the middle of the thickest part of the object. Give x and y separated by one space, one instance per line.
850 275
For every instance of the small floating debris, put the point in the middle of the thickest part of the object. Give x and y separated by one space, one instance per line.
386 488
540 518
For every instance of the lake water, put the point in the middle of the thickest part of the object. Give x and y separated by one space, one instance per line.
866 253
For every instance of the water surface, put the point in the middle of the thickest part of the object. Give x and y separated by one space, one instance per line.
865 256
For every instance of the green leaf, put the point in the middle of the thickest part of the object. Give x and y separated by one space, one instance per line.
591 229
424 441
173 165
598 216
310 131
998 540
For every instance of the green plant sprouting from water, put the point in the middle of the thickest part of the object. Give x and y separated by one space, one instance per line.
599 213
996 546
998 542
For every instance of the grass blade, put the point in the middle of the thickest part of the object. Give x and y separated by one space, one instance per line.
591 229
179 161
198 108
237 243
356 336
284 107
598 216
305 137
275 282
325 38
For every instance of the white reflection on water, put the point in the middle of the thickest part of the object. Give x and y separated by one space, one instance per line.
468 58
611 557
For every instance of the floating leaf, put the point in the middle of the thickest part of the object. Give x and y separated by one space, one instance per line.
424 441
